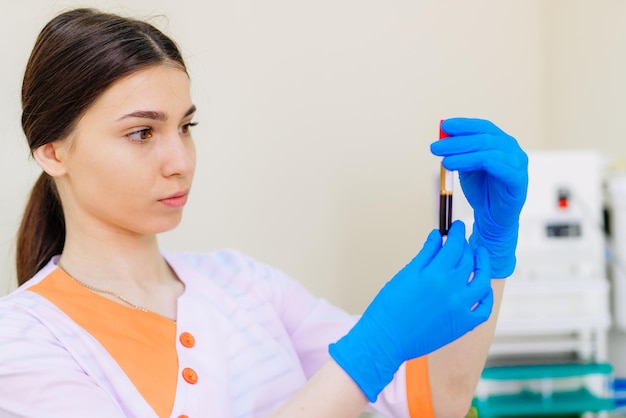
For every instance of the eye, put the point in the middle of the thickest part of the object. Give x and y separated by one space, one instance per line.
186 128
141 135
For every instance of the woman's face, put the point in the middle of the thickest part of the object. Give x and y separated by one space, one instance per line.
130 161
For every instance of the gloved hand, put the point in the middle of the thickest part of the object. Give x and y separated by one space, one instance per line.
426 305
493 171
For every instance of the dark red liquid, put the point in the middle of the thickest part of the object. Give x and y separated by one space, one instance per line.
445 213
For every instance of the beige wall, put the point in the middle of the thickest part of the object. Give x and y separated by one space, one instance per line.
585 61
315 119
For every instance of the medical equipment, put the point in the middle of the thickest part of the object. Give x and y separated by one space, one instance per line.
616 202
446 180
555 315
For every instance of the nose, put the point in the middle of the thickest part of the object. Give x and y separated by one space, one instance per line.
179 156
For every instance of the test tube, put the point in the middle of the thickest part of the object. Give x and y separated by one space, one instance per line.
445 193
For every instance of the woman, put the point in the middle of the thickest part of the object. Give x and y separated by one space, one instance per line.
105 324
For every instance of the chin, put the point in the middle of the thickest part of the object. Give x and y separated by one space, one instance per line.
165 226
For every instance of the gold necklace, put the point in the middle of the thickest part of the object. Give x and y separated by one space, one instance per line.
115 295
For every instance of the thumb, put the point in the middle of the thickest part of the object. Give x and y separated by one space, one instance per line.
431 247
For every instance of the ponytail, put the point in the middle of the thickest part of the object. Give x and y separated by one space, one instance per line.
42 232
76 57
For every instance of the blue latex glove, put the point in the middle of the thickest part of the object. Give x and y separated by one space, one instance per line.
426 305
493 171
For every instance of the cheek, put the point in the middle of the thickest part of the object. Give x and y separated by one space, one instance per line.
112 174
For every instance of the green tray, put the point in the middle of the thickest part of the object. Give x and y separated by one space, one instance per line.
530 404
543 371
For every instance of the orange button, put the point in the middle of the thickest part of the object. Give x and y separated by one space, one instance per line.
190 375
183 416
187 340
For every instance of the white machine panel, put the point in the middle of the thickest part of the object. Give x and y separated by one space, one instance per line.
558 297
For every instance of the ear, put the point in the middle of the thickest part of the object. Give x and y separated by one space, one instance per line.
51 157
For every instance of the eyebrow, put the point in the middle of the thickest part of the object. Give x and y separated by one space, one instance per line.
154 114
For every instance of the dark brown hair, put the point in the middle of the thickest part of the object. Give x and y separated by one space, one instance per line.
77 56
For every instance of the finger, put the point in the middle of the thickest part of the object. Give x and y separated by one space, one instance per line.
474 143
429 250
469 126
481 280
495 163
482 272
452 251
482 310
474 296
466 262
481 160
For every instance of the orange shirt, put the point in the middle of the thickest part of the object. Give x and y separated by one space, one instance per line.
142 343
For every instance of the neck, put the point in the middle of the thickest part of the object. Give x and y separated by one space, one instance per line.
122 261
127 266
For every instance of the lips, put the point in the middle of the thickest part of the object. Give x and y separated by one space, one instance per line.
177 200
